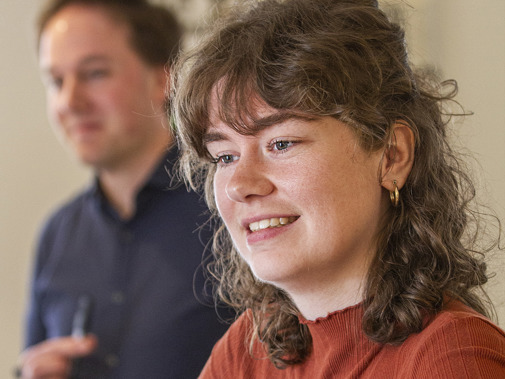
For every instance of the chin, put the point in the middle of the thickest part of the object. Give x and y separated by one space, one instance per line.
271 275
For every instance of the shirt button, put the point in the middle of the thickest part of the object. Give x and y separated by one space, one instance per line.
112 360
126 236
117 297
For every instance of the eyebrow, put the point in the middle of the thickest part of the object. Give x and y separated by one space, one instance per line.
94 58
260 124
91 59
213 137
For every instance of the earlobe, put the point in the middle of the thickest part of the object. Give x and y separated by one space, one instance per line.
398 157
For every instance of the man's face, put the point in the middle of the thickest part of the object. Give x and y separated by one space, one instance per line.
101 96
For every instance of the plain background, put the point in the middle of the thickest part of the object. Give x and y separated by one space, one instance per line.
465 39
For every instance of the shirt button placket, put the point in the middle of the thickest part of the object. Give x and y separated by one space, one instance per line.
112 360
118 294
117 297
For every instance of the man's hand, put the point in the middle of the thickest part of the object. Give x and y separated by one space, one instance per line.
52 359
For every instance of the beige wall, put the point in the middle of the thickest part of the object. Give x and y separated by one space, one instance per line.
465 38
35 172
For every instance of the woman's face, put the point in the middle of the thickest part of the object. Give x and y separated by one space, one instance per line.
301 200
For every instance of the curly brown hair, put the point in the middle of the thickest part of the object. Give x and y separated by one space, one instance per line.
344 59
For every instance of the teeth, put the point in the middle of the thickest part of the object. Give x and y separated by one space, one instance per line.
271 223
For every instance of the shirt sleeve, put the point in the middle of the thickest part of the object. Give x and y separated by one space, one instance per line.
35 329
34 326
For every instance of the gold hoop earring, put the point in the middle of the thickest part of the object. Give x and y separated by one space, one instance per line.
394 195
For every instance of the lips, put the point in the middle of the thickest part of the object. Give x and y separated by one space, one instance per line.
274 222
84 130
86 126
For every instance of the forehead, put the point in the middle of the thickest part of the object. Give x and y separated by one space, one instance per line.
247 118
77 31
224 105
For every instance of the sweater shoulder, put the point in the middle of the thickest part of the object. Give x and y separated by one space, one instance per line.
459 320
230 353
458 342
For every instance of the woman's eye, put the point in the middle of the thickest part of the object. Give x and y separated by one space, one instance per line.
225 159
282 145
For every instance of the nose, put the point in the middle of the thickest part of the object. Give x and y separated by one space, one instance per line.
71 96
249 180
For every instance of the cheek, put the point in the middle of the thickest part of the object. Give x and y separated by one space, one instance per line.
220 198
313 182
112 100
51 107
226 208
136 94
341 188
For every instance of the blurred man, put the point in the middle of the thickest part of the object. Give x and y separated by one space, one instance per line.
119 260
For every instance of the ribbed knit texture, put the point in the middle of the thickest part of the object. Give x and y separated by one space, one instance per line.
457 343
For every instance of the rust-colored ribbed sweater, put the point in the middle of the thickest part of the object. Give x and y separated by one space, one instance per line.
458 343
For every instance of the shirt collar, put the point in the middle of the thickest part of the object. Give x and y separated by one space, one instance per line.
162 178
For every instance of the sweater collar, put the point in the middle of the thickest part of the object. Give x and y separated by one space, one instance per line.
341 329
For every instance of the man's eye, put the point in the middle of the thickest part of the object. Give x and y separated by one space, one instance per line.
95 74
53 82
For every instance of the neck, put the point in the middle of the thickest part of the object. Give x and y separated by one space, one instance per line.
318 304
121 184
319 299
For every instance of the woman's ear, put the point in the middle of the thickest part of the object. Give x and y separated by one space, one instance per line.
398 156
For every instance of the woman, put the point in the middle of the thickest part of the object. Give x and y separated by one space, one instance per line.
346 229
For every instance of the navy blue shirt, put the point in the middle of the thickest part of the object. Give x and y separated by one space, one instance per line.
143 275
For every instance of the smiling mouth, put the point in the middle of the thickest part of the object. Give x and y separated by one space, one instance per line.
274 222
